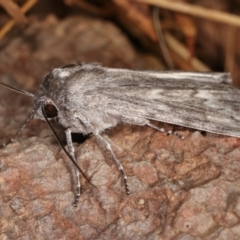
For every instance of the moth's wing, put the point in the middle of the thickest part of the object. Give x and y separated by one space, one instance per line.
207 105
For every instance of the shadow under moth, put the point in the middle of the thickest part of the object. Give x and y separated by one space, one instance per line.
89 98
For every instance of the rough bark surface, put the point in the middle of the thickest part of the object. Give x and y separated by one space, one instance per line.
180 189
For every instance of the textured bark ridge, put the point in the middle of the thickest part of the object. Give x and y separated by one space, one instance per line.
180 189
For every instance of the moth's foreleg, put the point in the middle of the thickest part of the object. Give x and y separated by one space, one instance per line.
120 167
26 122
165 131
77 174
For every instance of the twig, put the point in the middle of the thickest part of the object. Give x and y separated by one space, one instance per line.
14 11
9 25
197 11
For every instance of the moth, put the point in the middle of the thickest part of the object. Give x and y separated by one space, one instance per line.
89 98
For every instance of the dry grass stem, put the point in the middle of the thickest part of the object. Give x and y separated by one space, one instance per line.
197 11
9 25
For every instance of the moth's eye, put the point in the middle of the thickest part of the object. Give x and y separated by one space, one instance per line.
51 111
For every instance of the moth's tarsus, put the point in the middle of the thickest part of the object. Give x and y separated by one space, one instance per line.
77 175
120 167
77 196
166 131
75 202
26 122
128 192
12 140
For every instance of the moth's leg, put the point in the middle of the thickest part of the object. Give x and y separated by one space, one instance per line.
165 131
120 167
71 152
26 122
143 122
85 122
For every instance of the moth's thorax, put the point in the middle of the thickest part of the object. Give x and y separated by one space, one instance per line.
55 82
99 118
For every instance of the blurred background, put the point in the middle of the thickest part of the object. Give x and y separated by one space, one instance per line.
192 35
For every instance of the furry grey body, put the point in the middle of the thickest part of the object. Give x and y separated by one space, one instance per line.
88 98
107 97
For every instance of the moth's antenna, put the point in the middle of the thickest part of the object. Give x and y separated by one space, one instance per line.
17 90
26 122
64 149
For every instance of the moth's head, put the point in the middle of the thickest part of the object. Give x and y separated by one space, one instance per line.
44 107
53 85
